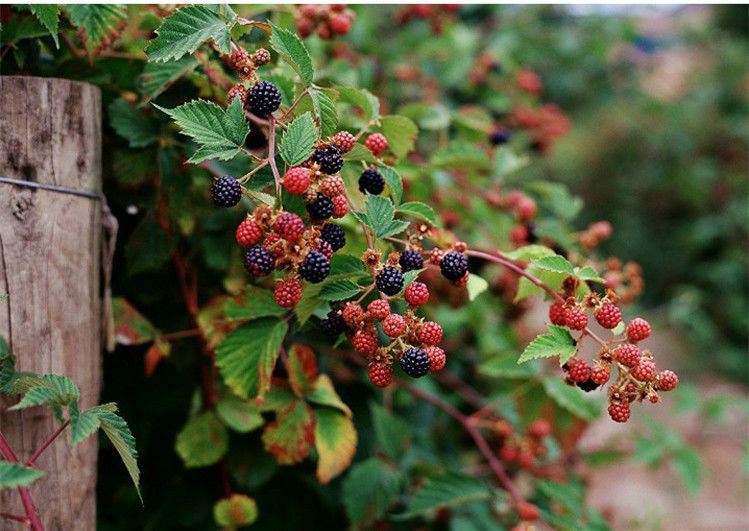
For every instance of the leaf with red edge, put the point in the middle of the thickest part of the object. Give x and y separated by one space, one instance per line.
130 326
324 394
291 436
335 440
155 353
302 369
213 322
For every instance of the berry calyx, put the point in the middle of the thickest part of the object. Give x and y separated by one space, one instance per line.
334 235
454 265
296 180
378 309
315 267
437 358
411 260
430 333
288 293
249 233
619 412
666 380
258 261
263 98
226 192
389 280
557 314
376 143
289 226
628 355
416 294
394 325
638 329
380 374
608 315
371 181
415 362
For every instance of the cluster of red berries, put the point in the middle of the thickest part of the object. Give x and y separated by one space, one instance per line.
637 378
524 209
326 20
544 125
245 64
436 14
523 449
624 279
529 82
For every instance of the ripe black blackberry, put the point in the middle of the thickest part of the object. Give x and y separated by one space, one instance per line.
500 136
334 235
588 385
371 181
415 362
390 280
258 261
226 192
321 208
454 265
333 324
315 267
411 260
263 98
329 158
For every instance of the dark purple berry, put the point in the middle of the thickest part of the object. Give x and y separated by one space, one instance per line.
315 267
415 362
226 192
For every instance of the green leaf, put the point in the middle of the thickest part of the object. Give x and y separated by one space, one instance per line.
203 441
246 356
302 369
48 14
16 475
393 433
552 279
570 398
95 19
293 51
185 30
369 489
240 415
299 140
85 423
555 263
8 374
324 394
394 182
346 265
19 28
235 511
361 98
131 327
507 162
291 437
220 134
379 214
505 367
689 467
447 490
587 273
618 329
360 153
131 124
476 286
557 342
338 290
461 155
401 134
252 303
419 210
50 389
529 252
335 441
326 112
157 77
308 303
119 434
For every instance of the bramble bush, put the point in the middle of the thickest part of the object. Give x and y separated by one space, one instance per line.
324 264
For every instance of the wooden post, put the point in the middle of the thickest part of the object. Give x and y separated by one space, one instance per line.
50 133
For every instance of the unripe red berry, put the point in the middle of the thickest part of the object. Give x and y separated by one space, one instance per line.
288 292
539 428
525 209
436 255
666 380
394 325
519 234
619 412
644 371
437 357
340 24
249 233
271 240
576 318
332 186
557 314
628 355
344 141
526 459
340 206
296 180
600 374
608 315
378 309
364 342
508 453
430 333
638 329
380 374
579 370
416 294
325 248
289 226
376 143
528 511
353 314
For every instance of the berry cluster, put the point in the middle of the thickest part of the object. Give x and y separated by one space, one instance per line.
245 63
544 125
522 449
435 14
327 20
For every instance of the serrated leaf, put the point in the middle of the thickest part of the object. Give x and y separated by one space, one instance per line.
418 210
131 327
246 356
50 389
252 303
291 436
335 441
293 51
220 134
400 132
529 252
447 490
203 441
302 369
299 140
557 342
324 394
185 30
346 265
157 77
587 273
326 112
360 153
95 19
119 434
552 279
14 475
242 416
131 124
48 15
379 214
338 290
235 511
369 489
555 263
361 98
85 423
476 286
394 182
570 398
393 434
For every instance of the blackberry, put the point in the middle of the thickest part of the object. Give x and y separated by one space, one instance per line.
390 280
454 265
588 385
333 324
500 136
371 182
334 235
329 158
263 98
415 362
315 267
258 261
321 208
226 192
411 260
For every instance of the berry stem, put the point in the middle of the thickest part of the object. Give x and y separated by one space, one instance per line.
293 105
363 129
24 492
18 518
272 155
31 460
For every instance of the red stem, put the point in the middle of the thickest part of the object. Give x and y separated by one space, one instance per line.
35 455
272 154
16 517
24 492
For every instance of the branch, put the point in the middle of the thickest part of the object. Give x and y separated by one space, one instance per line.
272 155
16 517
50 439
24 492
